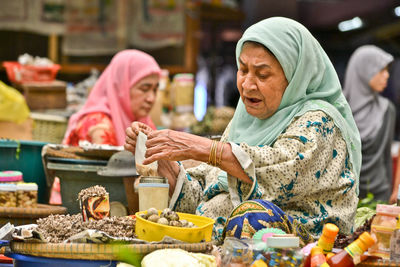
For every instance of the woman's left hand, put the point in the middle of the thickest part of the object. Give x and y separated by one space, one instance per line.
173 146
132 133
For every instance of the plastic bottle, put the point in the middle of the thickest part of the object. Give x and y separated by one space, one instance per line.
318 257
395 243
327 239
351 254
329 255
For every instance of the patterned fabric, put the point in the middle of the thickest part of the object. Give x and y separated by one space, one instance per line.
89 123
306 173
253 215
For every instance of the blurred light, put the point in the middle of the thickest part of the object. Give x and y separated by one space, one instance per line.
200 100
397 11
352 24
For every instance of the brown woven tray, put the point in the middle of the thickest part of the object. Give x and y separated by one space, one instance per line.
40 211
372 262
98 251
20 216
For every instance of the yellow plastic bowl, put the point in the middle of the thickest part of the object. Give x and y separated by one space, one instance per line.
150 231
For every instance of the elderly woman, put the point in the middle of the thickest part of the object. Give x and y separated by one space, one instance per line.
125 92
290 158
366 77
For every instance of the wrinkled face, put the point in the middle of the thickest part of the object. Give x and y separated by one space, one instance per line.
143 95
378 83
260 80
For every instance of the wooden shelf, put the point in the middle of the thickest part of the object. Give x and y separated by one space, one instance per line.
80 68
86 68
195 15
220 13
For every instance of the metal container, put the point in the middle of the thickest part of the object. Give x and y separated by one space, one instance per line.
76 175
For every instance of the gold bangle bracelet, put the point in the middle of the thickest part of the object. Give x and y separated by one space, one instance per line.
220 153
214 162
213 152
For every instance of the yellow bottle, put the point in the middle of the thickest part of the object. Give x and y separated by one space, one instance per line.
327 239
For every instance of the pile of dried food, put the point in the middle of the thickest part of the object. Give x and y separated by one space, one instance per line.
343 241
58 228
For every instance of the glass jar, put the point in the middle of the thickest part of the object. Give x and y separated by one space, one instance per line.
8 197
27 195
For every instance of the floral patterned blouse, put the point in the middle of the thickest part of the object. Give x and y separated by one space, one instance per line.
88 124
306 172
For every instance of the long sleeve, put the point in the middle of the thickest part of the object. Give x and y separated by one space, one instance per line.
189 189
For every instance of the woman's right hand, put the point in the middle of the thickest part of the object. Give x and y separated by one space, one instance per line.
132 132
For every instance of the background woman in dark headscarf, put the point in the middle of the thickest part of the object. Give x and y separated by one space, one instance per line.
366 76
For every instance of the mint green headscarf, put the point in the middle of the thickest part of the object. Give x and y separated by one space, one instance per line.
313 85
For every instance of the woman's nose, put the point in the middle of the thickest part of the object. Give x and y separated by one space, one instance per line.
151 96
386 74
249 83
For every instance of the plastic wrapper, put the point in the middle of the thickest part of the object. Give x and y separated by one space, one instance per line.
28 233
140 151
6 231
95 208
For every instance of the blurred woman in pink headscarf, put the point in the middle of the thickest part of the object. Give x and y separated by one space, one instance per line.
125 92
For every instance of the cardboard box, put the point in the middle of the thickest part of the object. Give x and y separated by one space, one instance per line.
44 95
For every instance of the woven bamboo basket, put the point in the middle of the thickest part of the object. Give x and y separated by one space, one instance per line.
98 251
21 216
48 128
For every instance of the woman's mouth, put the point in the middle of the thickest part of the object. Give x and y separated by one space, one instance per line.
252 100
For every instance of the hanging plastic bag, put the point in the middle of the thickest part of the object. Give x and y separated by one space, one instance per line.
13 106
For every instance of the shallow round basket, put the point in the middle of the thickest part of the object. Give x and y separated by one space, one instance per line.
150 231
371 262
98 251
21 216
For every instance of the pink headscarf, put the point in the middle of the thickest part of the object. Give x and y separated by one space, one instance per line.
111 93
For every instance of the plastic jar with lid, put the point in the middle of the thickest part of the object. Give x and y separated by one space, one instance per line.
11 177
284 250
153 192
27 195
8 197
382 228
182 95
